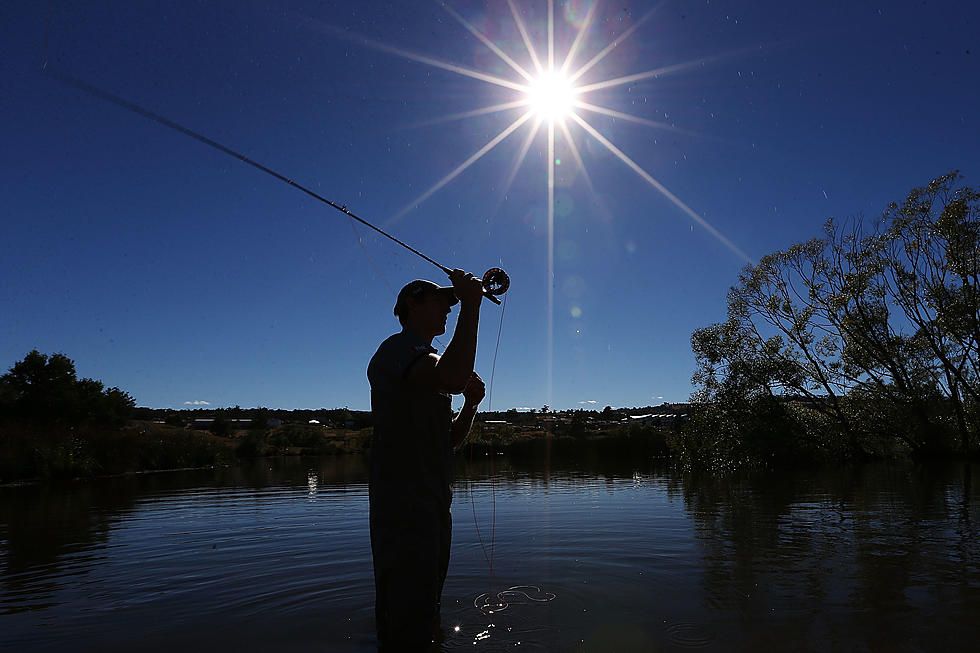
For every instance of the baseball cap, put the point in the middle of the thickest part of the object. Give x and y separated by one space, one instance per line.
418 288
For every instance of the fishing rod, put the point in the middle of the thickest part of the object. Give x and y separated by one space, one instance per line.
495 280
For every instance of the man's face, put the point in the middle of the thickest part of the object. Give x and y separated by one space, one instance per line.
430 312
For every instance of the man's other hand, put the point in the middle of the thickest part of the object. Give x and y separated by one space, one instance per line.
475 390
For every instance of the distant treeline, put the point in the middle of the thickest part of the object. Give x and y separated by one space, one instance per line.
267 432
864 342
261 417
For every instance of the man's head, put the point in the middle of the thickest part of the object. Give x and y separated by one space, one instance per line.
423 306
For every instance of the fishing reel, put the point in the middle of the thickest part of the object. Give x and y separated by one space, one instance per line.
495 282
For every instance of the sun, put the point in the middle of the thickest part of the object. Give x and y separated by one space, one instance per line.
552 96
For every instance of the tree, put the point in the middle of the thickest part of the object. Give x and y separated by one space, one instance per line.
220 426
931 252
45 390
260 419
175 419
859 323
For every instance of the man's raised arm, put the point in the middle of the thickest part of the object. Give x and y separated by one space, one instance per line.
454 368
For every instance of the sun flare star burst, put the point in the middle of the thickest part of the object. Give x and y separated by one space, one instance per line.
551 95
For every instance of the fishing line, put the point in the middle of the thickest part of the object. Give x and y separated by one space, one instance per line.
493 456
514 594
489 602
493 368
496 348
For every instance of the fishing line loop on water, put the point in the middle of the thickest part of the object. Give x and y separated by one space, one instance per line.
488 603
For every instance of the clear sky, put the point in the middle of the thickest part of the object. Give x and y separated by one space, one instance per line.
183 276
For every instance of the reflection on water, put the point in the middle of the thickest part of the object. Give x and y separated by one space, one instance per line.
882 557
275 555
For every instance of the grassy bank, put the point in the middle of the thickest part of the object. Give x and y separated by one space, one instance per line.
34 453
632 441
28 453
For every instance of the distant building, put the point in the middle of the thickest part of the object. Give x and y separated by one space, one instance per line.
655 418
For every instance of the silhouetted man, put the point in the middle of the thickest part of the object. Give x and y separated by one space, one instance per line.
411 454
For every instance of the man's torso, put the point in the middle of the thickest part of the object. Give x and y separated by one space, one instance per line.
411 451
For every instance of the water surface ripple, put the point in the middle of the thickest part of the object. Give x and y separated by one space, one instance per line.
276 556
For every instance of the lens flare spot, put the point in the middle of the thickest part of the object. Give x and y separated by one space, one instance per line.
564 205
576 312
576 11
574 287
566 251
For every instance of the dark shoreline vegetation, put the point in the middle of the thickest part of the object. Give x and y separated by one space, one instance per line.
862 344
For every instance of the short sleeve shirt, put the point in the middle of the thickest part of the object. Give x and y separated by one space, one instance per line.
411 449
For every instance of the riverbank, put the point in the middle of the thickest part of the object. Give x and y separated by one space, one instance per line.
55 452
30 453
33 454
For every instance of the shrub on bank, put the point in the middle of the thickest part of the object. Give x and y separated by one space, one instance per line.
633 441
29 452
301 439
55 425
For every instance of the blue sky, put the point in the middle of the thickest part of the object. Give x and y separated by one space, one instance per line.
181 275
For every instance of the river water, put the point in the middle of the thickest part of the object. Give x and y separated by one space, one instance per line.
275 556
